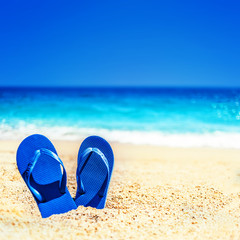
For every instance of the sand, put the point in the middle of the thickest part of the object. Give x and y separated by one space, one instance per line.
155 193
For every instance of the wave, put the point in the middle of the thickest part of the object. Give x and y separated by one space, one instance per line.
215 139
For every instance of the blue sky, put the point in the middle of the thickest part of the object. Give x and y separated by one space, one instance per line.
120 43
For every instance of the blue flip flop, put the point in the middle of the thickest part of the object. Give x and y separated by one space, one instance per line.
45 175
94 171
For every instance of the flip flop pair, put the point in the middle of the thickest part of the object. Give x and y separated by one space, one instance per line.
44 174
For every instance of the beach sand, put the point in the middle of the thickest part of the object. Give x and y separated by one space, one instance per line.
155 193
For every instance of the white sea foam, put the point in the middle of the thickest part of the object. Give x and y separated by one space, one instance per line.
216 139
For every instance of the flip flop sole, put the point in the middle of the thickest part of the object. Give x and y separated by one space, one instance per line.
94 172
45 177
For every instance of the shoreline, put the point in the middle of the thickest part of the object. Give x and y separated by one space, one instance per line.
217 139
155 193
13 144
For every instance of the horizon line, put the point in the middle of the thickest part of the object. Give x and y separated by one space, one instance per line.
115 87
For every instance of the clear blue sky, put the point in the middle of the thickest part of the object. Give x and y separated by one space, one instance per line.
120 43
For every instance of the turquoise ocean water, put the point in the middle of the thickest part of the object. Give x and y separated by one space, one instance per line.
161 116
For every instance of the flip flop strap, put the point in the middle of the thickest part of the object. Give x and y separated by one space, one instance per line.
32 164
83 159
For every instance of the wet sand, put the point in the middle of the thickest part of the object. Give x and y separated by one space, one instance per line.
155 193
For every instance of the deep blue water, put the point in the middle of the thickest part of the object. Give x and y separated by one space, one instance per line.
163 111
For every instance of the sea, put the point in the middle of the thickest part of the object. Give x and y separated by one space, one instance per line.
174 117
